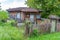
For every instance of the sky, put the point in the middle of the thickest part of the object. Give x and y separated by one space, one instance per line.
6 4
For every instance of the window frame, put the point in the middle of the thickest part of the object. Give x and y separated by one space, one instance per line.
38 16
18 13
32 18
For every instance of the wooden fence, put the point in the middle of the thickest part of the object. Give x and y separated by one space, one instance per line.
44 26
47 26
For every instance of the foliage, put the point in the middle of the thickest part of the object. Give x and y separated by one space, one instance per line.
3 15
28 22
28 26
34 33
8 23
52 36
7 29
10 33
11 22
47 6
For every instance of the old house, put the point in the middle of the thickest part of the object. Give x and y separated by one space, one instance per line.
21 13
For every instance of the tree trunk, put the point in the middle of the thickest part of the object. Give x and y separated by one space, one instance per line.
27 30
30 31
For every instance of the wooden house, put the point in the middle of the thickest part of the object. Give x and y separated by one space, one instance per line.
21 13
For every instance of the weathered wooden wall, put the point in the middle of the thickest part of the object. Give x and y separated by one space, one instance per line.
43 26
58 27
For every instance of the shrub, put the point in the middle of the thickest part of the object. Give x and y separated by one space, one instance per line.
8 23
34 33
10 33
3 16
11 23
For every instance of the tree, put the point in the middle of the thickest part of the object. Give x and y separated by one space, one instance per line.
29 27
3 15
47 6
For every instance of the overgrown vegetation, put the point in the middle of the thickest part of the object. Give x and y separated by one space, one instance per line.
3 16
46 6
10 33
52 36
8 30
35 33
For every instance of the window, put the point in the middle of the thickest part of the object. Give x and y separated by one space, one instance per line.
11 16
38 16
32 18
18 15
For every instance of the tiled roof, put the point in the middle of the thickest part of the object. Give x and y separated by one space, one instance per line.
24 9
54 17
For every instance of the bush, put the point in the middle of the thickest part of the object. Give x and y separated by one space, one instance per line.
3 15
10 33
11 23
7 29
34 33
8 23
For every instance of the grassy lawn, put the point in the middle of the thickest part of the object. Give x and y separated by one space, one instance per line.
53 36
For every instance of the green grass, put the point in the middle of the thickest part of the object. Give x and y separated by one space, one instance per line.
53 36
13 33
10 33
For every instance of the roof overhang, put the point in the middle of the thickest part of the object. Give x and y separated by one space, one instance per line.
23 9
